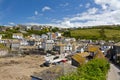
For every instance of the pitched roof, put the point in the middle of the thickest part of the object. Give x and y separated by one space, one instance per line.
20 34
80 57
93 48
117 44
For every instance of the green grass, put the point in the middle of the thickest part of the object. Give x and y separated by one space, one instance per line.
86 32
112 33
95 69
95 34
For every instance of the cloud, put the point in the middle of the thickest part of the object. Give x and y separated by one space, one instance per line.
105 4
11 23
36 16
87 5
64 5
36 12
80 5
46 8
108 14
32 23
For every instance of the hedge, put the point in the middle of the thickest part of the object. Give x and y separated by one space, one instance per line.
95 69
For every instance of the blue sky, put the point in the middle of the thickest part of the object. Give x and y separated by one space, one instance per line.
63 13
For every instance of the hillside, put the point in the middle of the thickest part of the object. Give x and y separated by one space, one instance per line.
106 34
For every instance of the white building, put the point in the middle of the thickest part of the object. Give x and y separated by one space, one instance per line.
58 34
68 47
17 36
23 43
44 36
0 36
48 45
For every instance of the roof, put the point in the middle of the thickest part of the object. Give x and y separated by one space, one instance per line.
117 44
15 41
84 54
80 57
93 48
3 47
49 41
20 34
99 54
27 47
60 44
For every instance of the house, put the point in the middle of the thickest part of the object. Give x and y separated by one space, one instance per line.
113 53
44 36
15 44
28 27
5 42
58 34
48 45
0 36
80 49
59 48
95 52
17 36
33 36
3 50
68 47
52 35
27 49
79 58
24 43
36 27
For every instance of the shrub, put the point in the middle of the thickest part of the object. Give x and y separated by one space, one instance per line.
95 69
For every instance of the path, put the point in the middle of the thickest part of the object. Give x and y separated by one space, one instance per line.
114 73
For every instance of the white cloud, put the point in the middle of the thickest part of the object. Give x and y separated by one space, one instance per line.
112 4
64 5
36 16
36 12
80 5
87 5
32 23
108 14
11 23
46 8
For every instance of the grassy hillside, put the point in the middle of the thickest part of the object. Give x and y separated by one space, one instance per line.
112 34
85 32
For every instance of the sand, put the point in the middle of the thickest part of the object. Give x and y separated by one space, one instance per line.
20 68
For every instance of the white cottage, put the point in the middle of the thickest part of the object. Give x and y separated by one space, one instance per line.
17 36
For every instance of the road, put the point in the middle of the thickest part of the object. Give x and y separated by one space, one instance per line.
114 73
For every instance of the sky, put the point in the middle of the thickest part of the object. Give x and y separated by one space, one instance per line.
61 13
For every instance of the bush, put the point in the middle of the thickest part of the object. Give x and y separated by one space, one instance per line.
95 69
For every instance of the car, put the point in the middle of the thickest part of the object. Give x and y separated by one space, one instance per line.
64 60
56 57
47 64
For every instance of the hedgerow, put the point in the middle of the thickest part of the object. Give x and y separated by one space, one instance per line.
95 69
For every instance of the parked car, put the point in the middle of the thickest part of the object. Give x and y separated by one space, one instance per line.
47 64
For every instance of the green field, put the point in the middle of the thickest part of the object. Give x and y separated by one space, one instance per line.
95 33
112 33
86 32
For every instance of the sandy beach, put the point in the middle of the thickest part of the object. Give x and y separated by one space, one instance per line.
20 68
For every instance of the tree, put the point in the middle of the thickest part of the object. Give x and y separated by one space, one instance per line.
102 33
55 29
